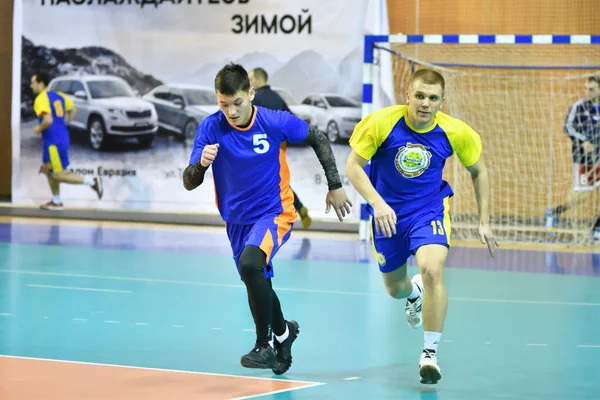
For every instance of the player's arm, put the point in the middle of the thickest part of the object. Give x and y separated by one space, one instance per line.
336 197
201 158
193 176
322 148
365 141
70 108
45 124
355 169
481 185
41 107
573 128
294 130
468 149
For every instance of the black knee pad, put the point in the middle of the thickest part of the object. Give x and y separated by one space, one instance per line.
252 262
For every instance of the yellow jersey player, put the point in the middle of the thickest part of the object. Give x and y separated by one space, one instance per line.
54 111
408 146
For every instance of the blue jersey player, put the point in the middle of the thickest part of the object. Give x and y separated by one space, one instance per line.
54 111
408 146
246 147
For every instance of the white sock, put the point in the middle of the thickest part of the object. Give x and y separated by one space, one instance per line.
88 180
432 339
285 335
56 199
415 292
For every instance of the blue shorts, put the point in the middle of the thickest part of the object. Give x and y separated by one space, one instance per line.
268 233
427 226
57 155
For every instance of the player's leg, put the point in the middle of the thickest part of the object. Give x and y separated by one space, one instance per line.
430 240
391 255
431 259
255 265
59 158
55 203
252 265
285 333
247 258
302 211
582 187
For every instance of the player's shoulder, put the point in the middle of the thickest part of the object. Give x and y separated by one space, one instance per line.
41 96
268 117
385 118
395 112
269 114
452 125
212 122
582 103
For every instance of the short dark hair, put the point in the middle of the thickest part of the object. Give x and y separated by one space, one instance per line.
231 79
429 77
261 73
594 78
42 77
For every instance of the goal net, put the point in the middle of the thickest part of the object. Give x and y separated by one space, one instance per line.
516 96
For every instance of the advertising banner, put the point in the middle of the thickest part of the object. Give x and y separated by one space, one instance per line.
141 75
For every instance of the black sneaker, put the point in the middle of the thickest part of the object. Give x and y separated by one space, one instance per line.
284 350
261 357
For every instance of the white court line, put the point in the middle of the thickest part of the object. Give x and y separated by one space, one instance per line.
589 346
253 396
162 370
537 344
78 288
379 294
6 315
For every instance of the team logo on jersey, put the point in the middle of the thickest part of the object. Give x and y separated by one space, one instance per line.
380 259
412 160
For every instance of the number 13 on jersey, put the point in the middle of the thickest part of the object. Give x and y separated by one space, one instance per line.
438 229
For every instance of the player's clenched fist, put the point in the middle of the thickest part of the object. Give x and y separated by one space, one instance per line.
209 154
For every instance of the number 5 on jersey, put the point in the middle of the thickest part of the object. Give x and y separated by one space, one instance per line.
437 229
260 143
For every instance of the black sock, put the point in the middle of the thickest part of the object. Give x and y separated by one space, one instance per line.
277 315
252 266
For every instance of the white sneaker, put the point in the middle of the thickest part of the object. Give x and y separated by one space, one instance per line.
429 370
413 307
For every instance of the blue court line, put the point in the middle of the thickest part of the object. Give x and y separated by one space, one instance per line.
313 249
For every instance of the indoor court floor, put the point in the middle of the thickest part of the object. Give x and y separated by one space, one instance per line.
158 312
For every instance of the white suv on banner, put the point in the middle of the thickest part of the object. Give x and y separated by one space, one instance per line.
108 109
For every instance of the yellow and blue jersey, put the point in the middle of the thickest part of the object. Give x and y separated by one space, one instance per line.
250 172
407 163
57 105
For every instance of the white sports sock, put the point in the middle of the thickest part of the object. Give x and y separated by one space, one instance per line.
285 335
56 199
88 180
432 339
415 292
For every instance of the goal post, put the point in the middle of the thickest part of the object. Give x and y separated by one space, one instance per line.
515 91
